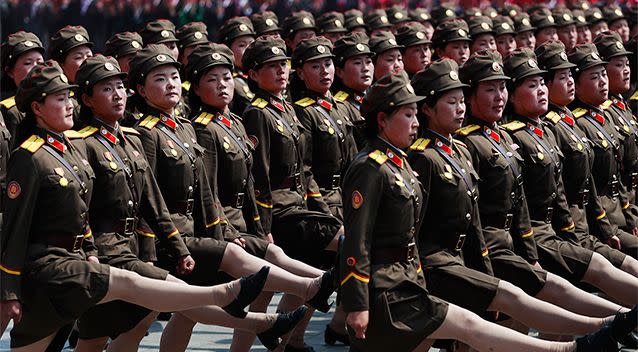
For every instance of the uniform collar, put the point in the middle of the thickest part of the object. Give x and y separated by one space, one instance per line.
394 154
109 132
619 101
325 101
476 121
564 113
55 140
356 95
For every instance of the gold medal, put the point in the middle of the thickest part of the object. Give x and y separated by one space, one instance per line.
448 175
579 146
226 145
331 130
626 128
280 128
540 156
64 182
604 143
113 165
174 152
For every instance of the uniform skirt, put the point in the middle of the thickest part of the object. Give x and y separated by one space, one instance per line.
585 240
563 258
514 269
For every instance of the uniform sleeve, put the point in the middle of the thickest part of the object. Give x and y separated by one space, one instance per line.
250 211
629 210
522 231
363 190
18 215
599 224
561 218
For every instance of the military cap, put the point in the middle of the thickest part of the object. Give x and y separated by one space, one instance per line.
311 49
382 42
585 56
581 5
482 66
350 45
42 80
193 33
552 56
397 14
235 27
579 17
631 13
542 19
66 39
420 14
594 15
354 19
122 44
331 22
390 91
613 13
412 34
609 44
563 17
264 50
158 32
490 12
95 69
450 31
378 19
471 12
511 10
480 24
440 76
520 64
265 22
443 13
206 56
522 23
145 60
503 25
539 7
298 21
18 43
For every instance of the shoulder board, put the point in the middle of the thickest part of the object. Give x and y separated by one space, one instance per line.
464 131
203 118
514 126
72 134
149 122
553 117
305 102
260 103
186 85
606 104
129 130
578 112
634 96
420 144
32 144
457 142
87 131
378 156
341 96
9 102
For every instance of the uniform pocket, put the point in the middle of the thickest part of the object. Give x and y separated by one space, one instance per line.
405 303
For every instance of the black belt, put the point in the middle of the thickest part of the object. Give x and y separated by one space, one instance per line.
582 199
237 200
394 255
544 216
69 242
183 207
498 221
292 182
330 183
633 181
124 226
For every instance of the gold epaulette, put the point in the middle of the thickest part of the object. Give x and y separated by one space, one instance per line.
578 112
260 103
129 130
305 102
186 85
32 144
341 96
378 156
204 118
420 144
513 126
634 96
149 122
87 131
9 102
73 134
464 131
553 117
606 104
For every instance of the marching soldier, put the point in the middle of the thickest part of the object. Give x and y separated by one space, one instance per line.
237 33
597 23
354 21
617 21
416 50
524 32
452 39
190 36
331 25
566 27
423 17
377 22
545 26
504 35
387 54
123 46
482 33
582 27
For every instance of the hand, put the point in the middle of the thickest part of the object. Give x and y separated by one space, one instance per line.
359 322
185 265
269 238
634 231
613 242
240 242
9 310
537 265
93 259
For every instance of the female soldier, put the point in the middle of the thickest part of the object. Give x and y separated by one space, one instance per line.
382 285
387 54
416 52
51 264
452 39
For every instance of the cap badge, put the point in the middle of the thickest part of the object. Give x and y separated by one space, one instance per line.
398 15
392 41
109 66
165 34
550 18
581 19
563 56
306 20
28 43
424 16
383 19
270 22
619 45
275 50
135 44
161 57
454 75
496 66
567 17
505 25
595 56
216 56
449 13
338 23
513 13
63 78
598 15
198 35
485 26
243 27
618 12
420 35
532 63
409 88
525 22
359 20
360 47
462 32
79 37
321 49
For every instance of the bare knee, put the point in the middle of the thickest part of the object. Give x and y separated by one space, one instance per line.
630 265
597 268
555 286
183 321
171 278
507 297
275 252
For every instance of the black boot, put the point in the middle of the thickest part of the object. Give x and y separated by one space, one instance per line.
331 337
284 324
251 287
629 341
623 325
599 341
320 300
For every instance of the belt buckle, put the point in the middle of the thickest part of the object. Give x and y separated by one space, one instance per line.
634 180
508 221
297 180
410 252
548 216
585 199
77 243
190 203
614 189
459 243
129 226
239 200
336 181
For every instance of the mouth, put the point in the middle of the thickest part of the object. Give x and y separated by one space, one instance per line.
118 106
326 81
571 91
543 101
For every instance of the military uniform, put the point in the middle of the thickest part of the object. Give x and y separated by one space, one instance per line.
413 34
234 28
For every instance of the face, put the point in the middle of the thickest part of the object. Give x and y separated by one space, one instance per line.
186 53
416 57
458 51
488 101
162 88
388 61
74 59
333 37
357 72
598 27
545 34
238 47
561 88
108 99
505 44
526 40
272 76
448 113
621 27
56 112
530 97
619 72
429 30
592 86
216 87
299 36
568 35
483 41
25 62
584 35
318 75
172 46
124 62
401 127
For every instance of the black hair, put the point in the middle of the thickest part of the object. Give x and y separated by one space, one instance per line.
85 112
371 127
27 127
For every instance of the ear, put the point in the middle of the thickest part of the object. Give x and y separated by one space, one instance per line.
141 91
195 89
426 110
381 120
36 107
9 72
253 74
339 71
300 73
87 100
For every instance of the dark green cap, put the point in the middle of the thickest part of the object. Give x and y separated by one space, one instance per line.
66 39
235 27
579 17
263 50
503 25
585 56
443 13
42 80
520 64
382 42
480 24
522 23
194 33
390 91
122 44
397 14
482 66
420 15
152 56
613 13
440 76
542 19
490 12
18 43
594 15
331 22
95 69
450 31
552 56
471 12
378 19
298 21
511 10
311 49
581 5
609 45
158 32
350 45
206 56
354 19
412 34
265 22
563 17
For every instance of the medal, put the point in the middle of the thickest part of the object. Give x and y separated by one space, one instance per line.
540 156
113 165
64 182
